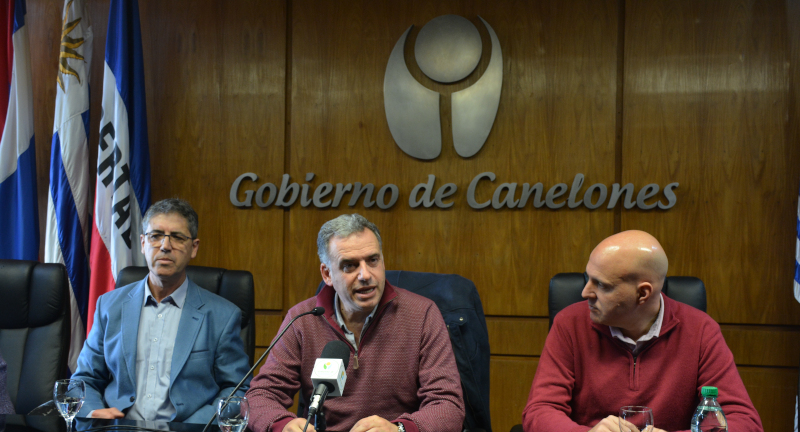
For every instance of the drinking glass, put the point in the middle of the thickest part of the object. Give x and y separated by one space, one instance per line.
635 419
232 414
68 395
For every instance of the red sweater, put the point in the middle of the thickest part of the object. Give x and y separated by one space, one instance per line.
406 368
585 375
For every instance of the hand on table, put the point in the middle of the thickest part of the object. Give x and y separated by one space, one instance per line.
107 413
374 424
608 424
297 424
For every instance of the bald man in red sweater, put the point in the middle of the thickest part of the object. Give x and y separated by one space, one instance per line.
629 344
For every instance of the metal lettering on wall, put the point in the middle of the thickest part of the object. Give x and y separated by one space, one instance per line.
447 50
479 194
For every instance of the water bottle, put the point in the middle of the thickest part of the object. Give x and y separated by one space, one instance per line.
709 416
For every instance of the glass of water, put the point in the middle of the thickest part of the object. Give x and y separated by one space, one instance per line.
635 419
232 414
68 395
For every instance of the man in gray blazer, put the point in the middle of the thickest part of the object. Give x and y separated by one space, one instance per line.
162 348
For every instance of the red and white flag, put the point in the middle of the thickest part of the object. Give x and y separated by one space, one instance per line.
122 194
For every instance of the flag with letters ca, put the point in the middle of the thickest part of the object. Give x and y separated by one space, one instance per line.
122 193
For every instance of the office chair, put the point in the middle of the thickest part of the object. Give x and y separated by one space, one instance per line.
34 330
566 288
236 286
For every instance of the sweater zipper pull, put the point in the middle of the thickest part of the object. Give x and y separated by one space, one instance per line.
355 358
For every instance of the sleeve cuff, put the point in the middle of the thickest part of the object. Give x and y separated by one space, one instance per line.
408 424
280 424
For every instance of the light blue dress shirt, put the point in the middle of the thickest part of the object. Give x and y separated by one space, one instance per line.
158 327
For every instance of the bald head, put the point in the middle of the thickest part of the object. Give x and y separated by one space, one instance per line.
626 275
635 256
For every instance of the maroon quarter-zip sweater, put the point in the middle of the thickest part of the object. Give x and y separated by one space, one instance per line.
405 370
585 375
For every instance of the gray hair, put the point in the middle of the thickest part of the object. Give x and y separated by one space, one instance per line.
172 206
343 226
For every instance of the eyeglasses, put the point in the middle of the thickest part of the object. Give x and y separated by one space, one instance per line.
157 238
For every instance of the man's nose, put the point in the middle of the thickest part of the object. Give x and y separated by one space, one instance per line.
364 273
166 243
588 290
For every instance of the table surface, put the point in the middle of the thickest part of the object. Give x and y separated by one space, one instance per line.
52 423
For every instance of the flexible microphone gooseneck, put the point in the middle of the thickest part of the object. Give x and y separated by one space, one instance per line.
317 311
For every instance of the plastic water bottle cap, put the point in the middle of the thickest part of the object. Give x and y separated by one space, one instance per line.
709 391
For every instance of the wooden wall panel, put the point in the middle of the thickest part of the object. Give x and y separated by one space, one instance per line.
517 336
710 98
705 105
773 392
764 346
511 379
267 327
215 110
556 119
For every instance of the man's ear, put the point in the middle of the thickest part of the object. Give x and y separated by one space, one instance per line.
644 291
326 274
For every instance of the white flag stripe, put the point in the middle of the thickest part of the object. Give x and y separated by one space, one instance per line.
53 254
105 217
18 130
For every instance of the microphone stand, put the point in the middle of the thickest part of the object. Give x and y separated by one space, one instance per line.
316 311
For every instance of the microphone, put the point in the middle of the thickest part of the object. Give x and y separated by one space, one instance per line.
317 311
328 376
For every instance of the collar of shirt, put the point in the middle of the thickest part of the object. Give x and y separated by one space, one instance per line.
340 320
655 330
177 298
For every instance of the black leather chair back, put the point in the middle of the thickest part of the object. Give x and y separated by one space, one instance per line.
566 288
34 329
235 286
458 301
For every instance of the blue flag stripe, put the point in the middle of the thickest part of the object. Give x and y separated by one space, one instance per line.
20 9
70 233
19 227
124 58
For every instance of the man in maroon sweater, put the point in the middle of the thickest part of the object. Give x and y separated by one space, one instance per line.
402 374
628 344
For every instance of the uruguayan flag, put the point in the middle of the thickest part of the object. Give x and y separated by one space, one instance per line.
69 203
122 193
19 213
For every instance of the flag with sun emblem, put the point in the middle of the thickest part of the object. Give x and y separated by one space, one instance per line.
122 193
19 214
68 201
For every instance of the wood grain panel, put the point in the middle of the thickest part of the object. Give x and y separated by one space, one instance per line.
267 327
517 336
705 105
215 80
556 119
763 346
773 392
44 31
511 379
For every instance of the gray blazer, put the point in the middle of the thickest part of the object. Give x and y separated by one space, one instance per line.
207 362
